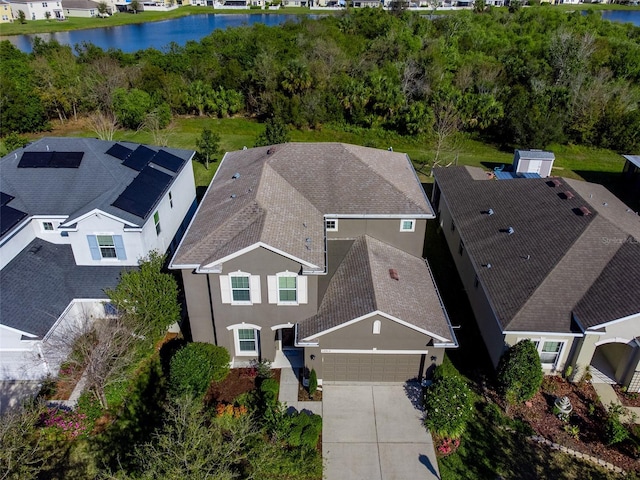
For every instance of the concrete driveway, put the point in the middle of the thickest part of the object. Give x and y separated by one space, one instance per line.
374 432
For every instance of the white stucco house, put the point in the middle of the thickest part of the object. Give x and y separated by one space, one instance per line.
75 213
38 10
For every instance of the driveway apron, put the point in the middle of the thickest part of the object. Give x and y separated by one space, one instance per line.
373 432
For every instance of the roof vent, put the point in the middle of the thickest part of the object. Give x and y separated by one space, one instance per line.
585 211
556 182
487 265
568 195
308 240
490 212
233 195
271 150
35 249
510 230
235 175
393 273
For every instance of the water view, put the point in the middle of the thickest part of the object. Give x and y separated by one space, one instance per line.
130 38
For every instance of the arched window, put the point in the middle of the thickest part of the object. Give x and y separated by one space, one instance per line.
376 327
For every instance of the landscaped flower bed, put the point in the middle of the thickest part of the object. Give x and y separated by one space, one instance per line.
628 399
239 381
585 429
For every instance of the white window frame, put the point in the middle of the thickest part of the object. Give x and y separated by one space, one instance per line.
47 224
226 288
377 326
112 246
287 289
156 221
334 221
232 289
273 286
412 222
539 343
236 339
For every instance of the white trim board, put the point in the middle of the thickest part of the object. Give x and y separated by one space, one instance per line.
374 351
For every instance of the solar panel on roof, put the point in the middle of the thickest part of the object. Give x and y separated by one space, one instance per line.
50 160
143 192
140 158
119 151
168 160
66 159
9 217
5 198
35 159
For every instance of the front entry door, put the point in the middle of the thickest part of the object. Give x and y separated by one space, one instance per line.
288 337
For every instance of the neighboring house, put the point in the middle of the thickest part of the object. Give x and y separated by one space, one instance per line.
555 261
316 248
81 8
5 12
38 10
631 173
75 213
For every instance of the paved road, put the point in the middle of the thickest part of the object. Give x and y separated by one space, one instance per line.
374 432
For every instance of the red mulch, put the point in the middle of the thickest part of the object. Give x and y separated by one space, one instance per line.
628 399
588 414
239 381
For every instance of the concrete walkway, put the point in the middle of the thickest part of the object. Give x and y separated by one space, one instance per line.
288 394
607 396
373 432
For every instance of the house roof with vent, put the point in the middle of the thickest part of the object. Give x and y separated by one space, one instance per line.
556 255
46 186
42 280
277 197
364 283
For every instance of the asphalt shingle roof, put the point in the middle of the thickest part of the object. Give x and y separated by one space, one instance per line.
96 183
39 284
281 193
551 261
362 284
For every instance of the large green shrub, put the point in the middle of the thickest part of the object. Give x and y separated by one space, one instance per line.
448 405
313 382
195 366
520 372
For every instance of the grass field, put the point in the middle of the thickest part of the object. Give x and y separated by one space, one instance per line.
595 165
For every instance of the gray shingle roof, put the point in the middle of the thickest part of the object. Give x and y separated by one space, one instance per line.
39 283
96 183
80 4
536 154
283 191
549 264
362 284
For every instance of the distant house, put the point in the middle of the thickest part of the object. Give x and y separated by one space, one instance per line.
557 262
533 161
316 250
81 8
37 10
75 213
5 12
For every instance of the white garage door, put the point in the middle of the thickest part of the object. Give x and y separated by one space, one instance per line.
351 367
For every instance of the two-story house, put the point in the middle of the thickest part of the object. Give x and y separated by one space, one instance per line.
37 10
316 247
553 260
75 213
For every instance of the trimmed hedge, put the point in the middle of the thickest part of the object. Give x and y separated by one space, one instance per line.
195 366
520 372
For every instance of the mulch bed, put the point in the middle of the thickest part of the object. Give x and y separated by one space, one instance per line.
588 414
239 381
65 383
628 399
303 393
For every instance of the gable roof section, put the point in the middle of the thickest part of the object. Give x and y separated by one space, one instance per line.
39 284
616 292
96 183
363 285
278 195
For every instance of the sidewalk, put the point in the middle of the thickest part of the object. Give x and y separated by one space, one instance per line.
289 392
607 396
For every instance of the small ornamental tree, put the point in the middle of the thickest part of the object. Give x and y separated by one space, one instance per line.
313 382
195 366
448 406
275 132
520 372
208 145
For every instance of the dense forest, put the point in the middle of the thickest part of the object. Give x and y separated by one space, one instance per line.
525 78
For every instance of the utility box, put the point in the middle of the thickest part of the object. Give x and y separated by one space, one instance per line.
533 161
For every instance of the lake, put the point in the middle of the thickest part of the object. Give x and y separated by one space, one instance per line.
130 38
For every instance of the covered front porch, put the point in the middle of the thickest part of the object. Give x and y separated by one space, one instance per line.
617 362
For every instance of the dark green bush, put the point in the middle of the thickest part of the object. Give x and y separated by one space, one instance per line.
448 405
269 391
305 430
195 366
520 372
445 369
313 382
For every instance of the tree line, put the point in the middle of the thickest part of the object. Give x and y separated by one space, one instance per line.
525 78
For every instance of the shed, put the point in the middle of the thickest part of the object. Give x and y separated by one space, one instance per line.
533 161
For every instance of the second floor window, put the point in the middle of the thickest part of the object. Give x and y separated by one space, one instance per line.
287 289
156 220
107 246
240 291
48 226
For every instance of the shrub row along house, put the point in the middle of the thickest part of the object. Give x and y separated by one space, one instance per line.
553 260
316 247
75 213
